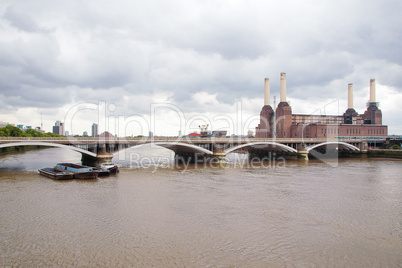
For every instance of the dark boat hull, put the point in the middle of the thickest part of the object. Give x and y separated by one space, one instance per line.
56 174
86 175
114 170
102 172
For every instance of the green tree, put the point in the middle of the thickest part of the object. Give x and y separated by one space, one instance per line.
15 132
5 132
11 131
395 147
34 133
49 134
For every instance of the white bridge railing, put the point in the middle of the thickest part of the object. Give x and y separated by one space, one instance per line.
73 140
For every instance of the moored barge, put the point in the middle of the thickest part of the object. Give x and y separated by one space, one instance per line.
56 174
79 172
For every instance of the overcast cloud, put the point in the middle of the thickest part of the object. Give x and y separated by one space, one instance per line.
204 57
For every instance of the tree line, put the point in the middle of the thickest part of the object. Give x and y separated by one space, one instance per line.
11 131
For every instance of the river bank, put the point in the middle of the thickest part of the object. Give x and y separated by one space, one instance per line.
385 153
20 148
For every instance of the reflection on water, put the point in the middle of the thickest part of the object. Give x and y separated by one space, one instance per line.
303 214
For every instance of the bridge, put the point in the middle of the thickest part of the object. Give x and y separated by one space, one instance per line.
100 150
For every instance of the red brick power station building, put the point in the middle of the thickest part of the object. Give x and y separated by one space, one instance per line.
283 124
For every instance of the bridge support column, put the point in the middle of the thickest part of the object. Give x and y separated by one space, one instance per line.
302 153
219 156
363 146
96 161
102 157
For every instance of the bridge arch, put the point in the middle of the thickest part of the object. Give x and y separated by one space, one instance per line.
48 144
173 146
343 146
183 147
262 144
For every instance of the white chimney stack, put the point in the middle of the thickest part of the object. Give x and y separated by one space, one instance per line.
350 96
266 91
283 87
372 90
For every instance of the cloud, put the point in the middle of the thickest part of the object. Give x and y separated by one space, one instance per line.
200 55
22 20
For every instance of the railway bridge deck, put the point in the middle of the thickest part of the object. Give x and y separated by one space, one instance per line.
98 150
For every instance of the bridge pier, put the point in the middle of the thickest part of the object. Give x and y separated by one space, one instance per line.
102 157
219 156
363 146
88 160
302 153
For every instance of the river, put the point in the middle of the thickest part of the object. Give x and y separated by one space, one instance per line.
291 213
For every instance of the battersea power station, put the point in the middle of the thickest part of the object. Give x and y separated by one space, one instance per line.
283 124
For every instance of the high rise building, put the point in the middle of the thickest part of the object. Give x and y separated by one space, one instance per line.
58 128
94 130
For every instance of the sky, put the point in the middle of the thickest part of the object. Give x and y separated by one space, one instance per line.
164 66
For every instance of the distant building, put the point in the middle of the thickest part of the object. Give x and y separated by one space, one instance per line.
40 130
219 133
151 134
3 124
20 127
284 124
85 134
67 133
204 131
58 128
94 130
